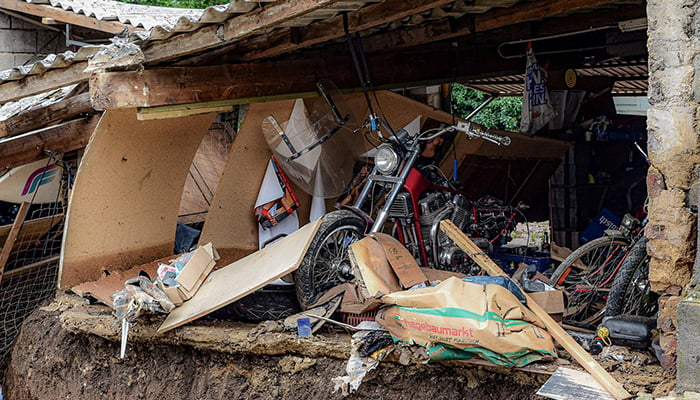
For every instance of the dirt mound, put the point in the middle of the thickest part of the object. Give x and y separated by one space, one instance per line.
51 361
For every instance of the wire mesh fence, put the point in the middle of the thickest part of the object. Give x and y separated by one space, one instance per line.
31 235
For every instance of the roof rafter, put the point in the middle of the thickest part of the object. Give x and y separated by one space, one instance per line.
233 29
68 17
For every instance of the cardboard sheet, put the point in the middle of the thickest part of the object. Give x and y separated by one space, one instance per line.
232 282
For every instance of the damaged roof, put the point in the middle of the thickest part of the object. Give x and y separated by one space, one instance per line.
251 33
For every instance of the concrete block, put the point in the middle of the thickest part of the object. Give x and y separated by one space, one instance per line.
688 349
13 41
4 21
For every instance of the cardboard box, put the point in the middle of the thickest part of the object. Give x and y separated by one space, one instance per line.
192 275
552 301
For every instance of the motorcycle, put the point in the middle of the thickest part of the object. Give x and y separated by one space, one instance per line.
415 199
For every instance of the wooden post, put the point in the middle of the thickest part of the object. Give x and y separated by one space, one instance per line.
12 236
557 332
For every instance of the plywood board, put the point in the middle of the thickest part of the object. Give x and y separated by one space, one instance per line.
124 206
232 282
570 384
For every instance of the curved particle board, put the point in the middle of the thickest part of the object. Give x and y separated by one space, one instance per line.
124 206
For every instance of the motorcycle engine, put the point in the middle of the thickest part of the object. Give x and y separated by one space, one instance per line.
435 207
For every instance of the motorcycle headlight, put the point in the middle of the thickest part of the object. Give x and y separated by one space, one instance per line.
386 159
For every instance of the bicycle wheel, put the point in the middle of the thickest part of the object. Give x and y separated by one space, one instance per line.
586 276
631 291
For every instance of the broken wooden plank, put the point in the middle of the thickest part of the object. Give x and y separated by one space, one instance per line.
557 332
12 236
30 147
570 384
35 119
49 80
244 276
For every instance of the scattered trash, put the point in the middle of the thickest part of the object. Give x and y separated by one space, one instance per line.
570 384
368 349
140 295
304 327
181 279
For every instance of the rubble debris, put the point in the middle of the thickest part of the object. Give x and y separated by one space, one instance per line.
236 280
368 349
586 361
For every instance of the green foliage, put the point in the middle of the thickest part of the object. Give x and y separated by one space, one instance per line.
502 113
177 3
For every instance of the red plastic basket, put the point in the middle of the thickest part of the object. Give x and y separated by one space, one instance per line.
355 319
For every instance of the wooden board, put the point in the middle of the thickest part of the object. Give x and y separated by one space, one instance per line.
124 206
12 236
557 332
570 384
244 276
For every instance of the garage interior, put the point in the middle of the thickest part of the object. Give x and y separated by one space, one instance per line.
146 105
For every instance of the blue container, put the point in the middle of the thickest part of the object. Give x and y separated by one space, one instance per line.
605 219
505 259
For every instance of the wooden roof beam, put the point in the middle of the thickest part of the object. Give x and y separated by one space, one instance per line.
35 119
186 85
469 24
49 80
30 147
231 30
68 17
322 31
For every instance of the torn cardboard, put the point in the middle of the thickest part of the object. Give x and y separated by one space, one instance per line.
192 275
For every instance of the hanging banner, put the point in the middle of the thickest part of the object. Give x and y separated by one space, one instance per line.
537 109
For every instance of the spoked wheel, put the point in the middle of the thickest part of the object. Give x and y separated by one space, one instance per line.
326 262
631 291
586 277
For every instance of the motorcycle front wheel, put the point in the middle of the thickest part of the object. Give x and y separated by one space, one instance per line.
326 263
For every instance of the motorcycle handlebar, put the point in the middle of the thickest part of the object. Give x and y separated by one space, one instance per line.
476 132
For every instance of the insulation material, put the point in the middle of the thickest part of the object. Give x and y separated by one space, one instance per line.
460 320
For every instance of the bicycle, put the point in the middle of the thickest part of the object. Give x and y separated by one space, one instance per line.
607 276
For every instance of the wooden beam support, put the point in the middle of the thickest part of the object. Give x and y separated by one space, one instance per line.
233 29
30 147
49 80
12 236
68 17
469 24
282 79
288 40
35 119
557 332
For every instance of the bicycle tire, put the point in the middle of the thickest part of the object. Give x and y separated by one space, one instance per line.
630 291
585 276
